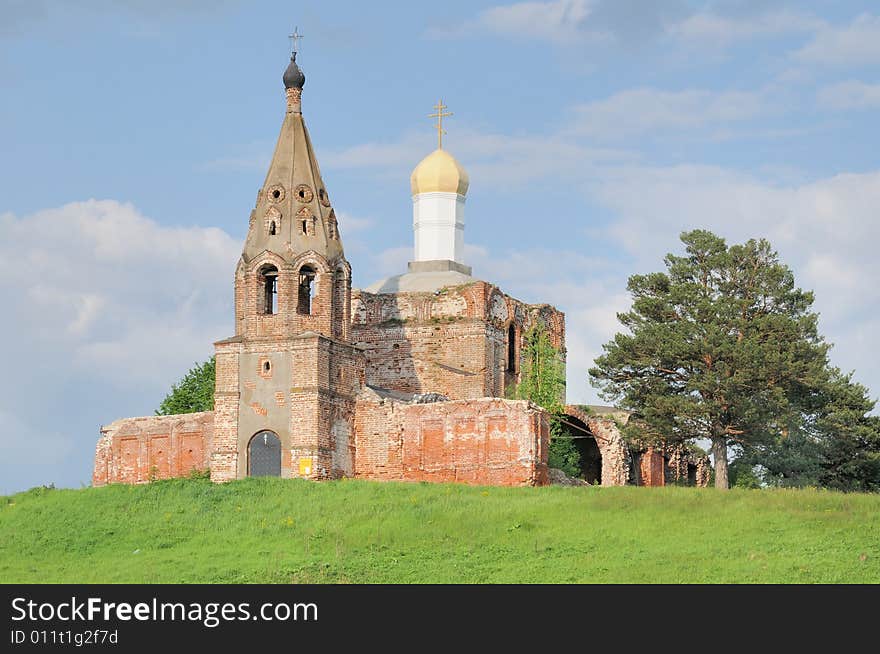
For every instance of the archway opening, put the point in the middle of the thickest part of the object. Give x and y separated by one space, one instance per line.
584 443
306 293
264 455
268 279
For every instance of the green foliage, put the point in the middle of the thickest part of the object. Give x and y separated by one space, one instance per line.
194 393
564 455
263 530
542 380
837 445
721 346
743 474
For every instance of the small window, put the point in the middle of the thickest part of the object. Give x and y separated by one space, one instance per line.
511 349
276 194
306 290
265 368
305 226
272 228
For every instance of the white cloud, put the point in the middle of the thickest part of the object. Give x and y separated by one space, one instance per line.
854 44
645 110
851 94
127 299
349 224
504 160
392 261
719 31
103 309
559 21
634 22
405 152
491 158
20 442
19 17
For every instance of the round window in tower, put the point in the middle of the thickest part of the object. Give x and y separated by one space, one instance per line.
275 193
304 193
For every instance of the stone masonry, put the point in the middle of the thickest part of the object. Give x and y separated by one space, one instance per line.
404 381
137 450
459 341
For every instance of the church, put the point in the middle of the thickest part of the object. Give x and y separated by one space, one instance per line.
402 380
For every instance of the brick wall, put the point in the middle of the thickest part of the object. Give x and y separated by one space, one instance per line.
685 467
612 447
138 450
224 457
652 468
330 307
378 436
454 341
486 441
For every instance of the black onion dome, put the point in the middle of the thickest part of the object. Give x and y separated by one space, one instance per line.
293 76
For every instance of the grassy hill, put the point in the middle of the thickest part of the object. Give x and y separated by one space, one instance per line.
272 530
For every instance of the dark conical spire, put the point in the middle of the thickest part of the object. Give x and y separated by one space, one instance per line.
293 76
293 214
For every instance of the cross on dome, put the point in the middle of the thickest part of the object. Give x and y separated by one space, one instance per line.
294 40
440 115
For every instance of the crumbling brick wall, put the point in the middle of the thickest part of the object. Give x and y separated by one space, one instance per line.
139 450
660 464
486 441
686 467
455 341
379 427
612 447
651 468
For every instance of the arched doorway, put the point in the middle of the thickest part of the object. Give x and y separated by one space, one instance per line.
590 463
264 455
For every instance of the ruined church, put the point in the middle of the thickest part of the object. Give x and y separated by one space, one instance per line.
402 380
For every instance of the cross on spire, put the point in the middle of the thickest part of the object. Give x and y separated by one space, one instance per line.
294 40
440 115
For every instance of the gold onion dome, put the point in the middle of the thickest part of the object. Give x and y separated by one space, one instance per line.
439 172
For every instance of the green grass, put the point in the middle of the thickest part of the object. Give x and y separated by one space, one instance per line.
273 530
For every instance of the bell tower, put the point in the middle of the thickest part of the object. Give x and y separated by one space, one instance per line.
287 379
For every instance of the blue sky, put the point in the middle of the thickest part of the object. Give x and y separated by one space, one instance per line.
134 135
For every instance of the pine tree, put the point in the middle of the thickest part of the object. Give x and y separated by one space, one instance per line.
837 445
722 346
